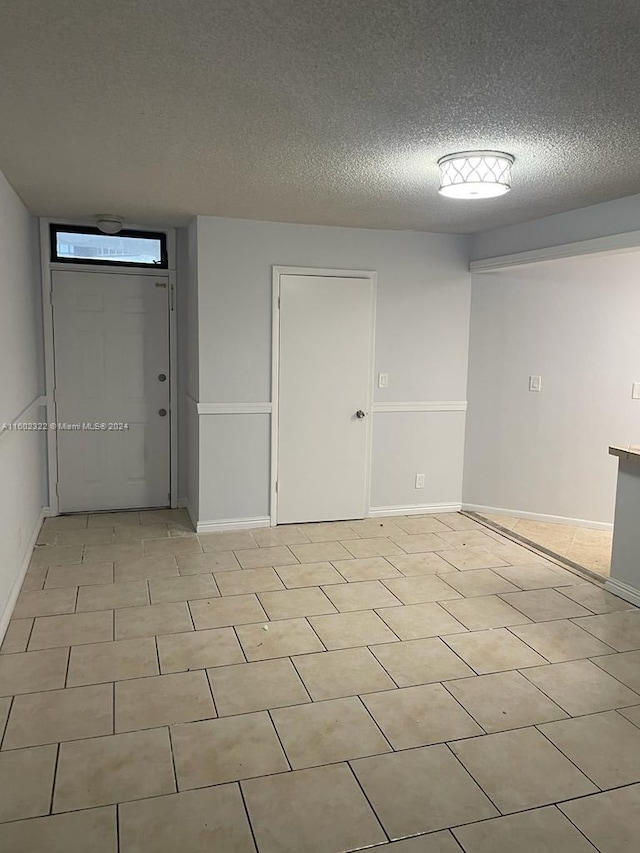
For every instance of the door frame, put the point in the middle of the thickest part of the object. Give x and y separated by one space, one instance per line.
277 272
48 267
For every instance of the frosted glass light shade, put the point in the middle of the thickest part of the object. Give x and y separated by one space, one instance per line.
475 174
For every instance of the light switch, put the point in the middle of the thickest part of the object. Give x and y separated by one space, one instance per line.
535 383
383 380
635 391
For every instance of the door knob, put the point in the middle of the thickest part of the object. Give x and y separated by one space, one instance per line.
360 414
162 412
162 377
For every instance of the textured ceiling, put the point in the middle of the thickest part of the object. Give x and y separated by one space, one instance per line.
316 111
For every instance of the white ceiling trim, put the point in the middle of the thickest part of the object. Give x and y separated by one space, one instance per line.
614 243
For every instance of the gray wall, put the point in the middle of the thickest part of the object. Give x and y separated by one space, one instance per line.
180 388
574 322
421 342
190 371
22 454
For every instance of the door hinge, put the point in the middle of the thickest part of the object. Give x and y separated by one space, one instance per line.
278 303
276 487
171 289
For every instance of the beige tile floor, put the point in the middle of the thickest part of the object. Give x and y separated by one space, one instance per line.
414 684
582 545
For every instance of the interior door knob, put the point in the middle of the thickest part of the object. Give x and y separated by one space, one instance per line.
162 412
162 377
360 414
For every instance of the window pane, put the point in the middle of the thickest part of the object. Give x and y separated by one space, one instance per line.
106 247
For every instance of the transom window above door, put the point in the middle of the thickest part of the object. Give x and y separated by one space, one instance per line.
76 244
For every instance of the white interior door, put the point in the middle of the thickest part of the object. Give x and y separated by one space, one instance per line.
324 380
111 350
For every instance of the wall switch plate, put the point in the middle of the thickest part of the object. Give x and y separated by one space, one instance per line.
383 380
535 383
419 481
635 391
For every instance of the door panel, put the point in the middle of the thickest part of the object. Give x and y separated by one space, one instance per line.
111 341
326 337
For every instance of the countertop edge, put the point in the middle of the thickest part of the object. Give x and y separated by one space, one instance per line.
631 451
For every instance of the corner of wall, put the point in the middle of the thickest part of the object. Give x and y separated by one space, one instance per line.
23 460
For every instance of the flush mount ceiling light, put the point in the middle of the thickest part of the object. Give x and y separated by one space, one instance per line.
108 223
475 174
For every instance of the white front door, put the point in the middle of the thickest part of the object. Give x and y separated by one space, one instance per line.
111 350
324 397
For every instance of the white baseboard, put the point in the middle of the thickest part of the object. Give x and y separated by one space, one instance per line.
537 516
623 590
17 584
413 509
231 524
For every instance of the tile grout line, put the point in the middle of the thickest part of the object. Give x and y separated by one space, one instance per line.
457 842
620 710
375 722
501 595
546 622
592 612
324 648
6 725
569 759
247 815
566 816
66 672
467 711
304 686
394 632
55 777
473 778
522 671
210 685
173 757
277 734
367 800
382 666
118 845
443 639
242 651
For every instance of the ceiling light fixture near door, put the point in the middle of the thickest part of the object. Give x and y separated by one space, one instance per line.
475 174
108 223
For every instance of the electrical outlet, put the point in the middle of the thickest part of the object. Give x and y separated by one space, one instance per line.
383 380
635 391
535 383
419 481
